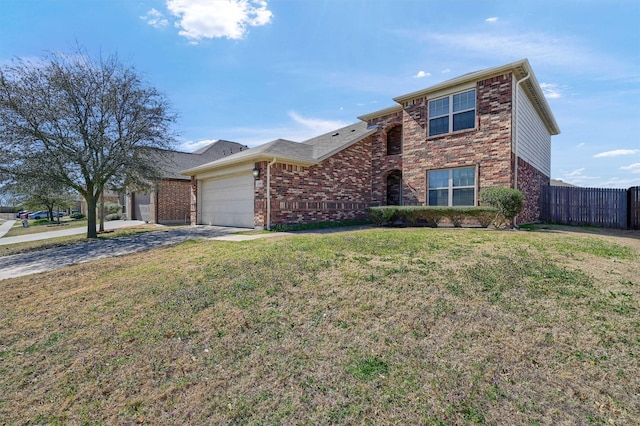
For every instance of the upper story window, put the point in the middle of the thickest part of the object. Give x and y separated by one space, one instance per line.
394 141
452 113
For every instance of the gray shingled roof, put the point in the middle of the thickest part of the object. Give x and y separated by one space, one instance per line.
326 145
175 161
311 151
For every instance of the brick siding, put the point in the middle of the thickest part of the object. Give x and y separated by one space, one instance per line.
487 147
530 182
173 202
337 189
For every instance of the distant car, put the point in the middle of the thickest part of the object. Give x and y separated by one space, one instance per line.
43 215
22 214
38 215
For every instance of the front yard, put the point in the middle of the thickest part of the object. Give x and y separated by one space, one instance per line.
379 326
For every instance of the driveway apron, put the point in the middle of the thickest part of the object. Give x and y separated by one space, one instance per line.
50 259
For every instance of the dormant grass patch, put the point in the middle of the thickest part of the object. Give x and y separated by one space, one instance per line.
381 326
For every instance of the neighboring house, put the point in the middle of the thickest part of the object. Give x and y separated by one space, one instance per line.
170 202
560 182
437 146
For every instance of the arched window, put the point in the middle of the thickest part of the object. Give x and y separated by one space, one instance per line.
394 141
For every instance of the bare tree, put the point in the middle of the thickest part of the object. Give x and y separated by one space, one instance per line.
81 123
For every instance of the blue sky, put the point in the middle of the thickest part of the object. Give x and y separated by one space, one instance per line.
253 71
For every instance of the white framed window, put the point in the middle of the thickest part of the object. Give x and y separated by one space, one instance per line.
452 187
452 113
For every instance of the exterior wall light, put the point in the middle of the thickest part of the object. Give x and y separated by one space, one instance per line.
256 172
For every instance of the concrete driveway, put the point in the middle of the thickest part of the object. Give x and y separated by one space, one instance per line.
50 259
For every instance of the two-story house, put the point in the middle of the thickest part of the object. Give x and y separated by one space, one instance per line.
438 146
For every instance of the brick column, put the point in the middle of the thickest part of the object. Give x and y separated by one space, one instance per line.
194 201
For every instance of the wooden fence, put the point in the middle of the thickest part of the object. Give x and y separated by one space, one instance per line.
604 207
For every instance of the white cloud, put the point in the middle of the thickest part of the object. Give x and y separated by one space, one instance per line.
617 153
540 48
190 146
580 145
492 19
298 128
422 74
578 177
155 19
633 168
315 125
574 173
202 19
550 90
446 71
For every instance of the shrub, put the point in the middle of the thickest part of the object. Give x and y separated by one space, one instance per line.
111 208
507 201
431 215
77 216
113 216
381 215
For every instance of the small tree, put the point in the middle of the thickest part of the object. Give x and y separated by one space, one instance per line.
82 123
38 194
508 201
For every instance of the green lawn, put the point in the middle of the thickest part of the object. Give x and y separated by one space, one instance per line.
379 326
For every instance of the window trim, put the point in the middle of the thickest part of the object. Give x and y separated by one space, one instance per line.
450 114
450 188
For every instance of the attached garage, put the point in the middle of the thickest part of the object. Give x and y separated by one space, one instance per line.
141 207
227 201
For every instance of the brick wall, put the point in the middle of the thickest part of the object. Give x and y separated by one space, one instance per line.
488 146
337 189
173 202
381 163
530 182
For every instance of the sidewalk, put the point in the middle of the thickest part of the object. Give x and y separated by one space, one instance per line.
114 224
5 226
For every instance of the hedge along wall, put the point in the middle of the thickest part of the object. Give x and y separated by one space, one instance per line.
432 216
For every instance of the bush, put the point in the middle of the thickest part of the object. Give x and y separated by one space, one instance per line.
77 216
507 201
111 208
113 216
381 215
431 215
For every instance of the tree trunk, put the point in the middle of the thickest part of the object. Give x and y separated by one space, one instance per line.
101 212
91 217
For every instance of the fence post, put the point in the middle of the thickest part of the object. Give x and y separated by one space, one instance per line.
633 208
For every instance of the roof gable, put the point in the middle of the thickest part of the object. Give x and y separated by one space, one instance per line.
521 70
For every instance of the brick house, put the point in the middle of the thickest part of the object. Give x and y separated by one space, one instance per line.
437 146
170 202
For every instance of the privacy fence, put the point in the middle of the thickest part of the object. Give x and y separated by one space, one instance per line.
604 207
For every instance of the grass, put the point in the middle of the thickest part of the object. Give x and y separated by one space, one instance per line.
377 326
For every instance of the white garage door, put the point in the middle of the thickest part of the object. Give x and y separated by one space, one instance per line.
227 201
